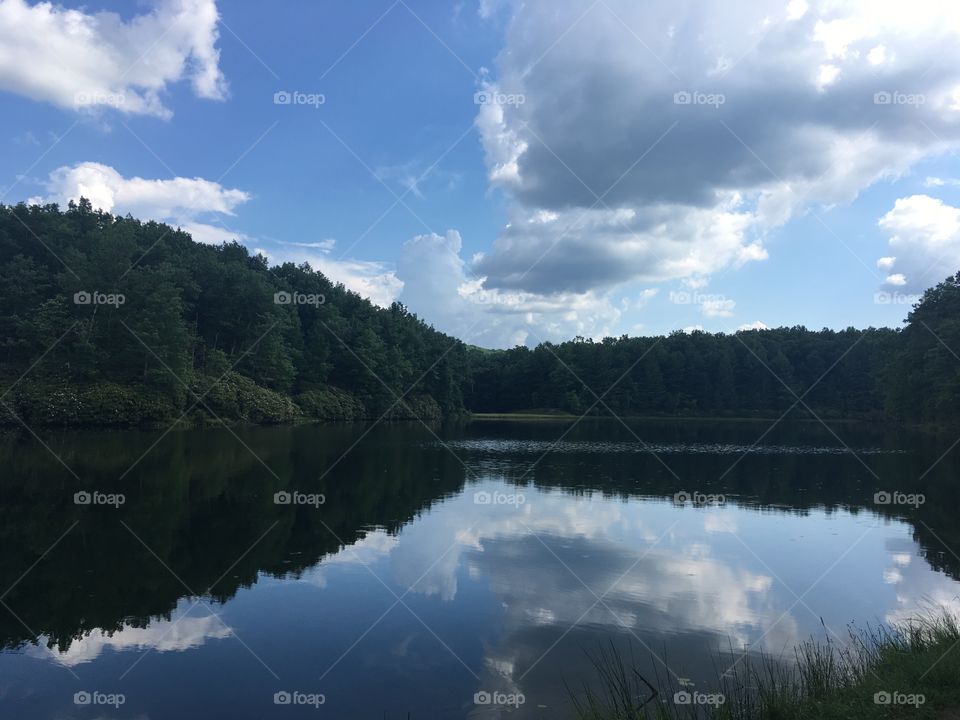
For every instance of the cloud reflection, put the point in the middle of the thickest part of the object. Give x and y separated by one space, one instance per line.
180 632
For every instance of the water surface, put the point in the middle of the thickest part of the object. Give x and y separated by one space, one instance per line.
415 568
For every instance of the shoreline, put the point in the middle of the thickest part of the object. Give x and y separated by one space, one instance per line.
905 670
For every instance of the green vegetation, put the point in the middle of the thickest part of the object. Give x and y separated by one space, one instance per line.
910 375
110 320
907 671
184 329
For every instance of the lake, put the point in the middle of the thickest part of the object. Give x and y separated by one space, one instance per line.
469 570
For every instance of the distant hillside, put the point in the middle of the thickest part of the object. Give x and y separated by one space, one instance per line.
110 320
908 375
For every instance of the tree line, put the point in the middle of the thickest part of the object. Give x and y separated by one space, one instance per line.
111 320
136 321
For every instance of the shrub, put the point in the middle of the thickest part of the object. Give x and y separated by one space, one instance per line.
100 404
236 397
332 403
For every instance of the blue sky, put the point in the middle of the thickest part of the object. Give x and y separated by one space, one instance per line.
580 196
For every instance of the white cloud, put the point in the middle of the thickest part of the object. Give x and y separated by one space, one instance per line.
373 280
644 298
502 145
827 75
108 190
324 246
212 234
924 237
718 307
376 281
931 182
438 285
796 9
594 249
755 325
179 201
877 55
83 60
687 189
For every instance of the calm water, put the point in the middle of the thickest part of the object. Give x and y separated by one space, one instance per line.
417 570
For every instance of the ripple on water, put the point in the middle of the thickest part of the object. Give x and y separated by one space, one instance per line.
500 446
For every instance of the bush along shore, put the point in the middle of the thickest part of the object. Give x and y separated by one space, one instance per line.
910 670
232 398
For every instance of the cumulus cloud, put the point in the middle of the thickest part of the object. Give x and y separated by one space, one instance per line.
718 307
580 250
438 284
663 140
755 325
376 281
924 240
180 201
83 60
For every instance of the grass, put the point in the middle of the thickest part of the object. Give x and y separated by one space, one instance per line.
823 679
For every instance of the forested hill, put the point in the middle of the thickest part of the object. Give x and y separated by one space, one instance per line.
136 321
110 320
910 375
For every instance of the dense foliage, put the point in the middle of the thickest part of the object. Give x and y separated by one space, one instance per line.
909 375
112 320
747 374
195 328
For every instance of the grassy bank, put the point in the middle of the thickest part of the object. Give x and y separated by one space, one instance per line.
907 671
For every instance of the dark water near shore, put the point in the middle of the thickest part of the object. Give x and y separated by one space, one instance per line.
412 568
